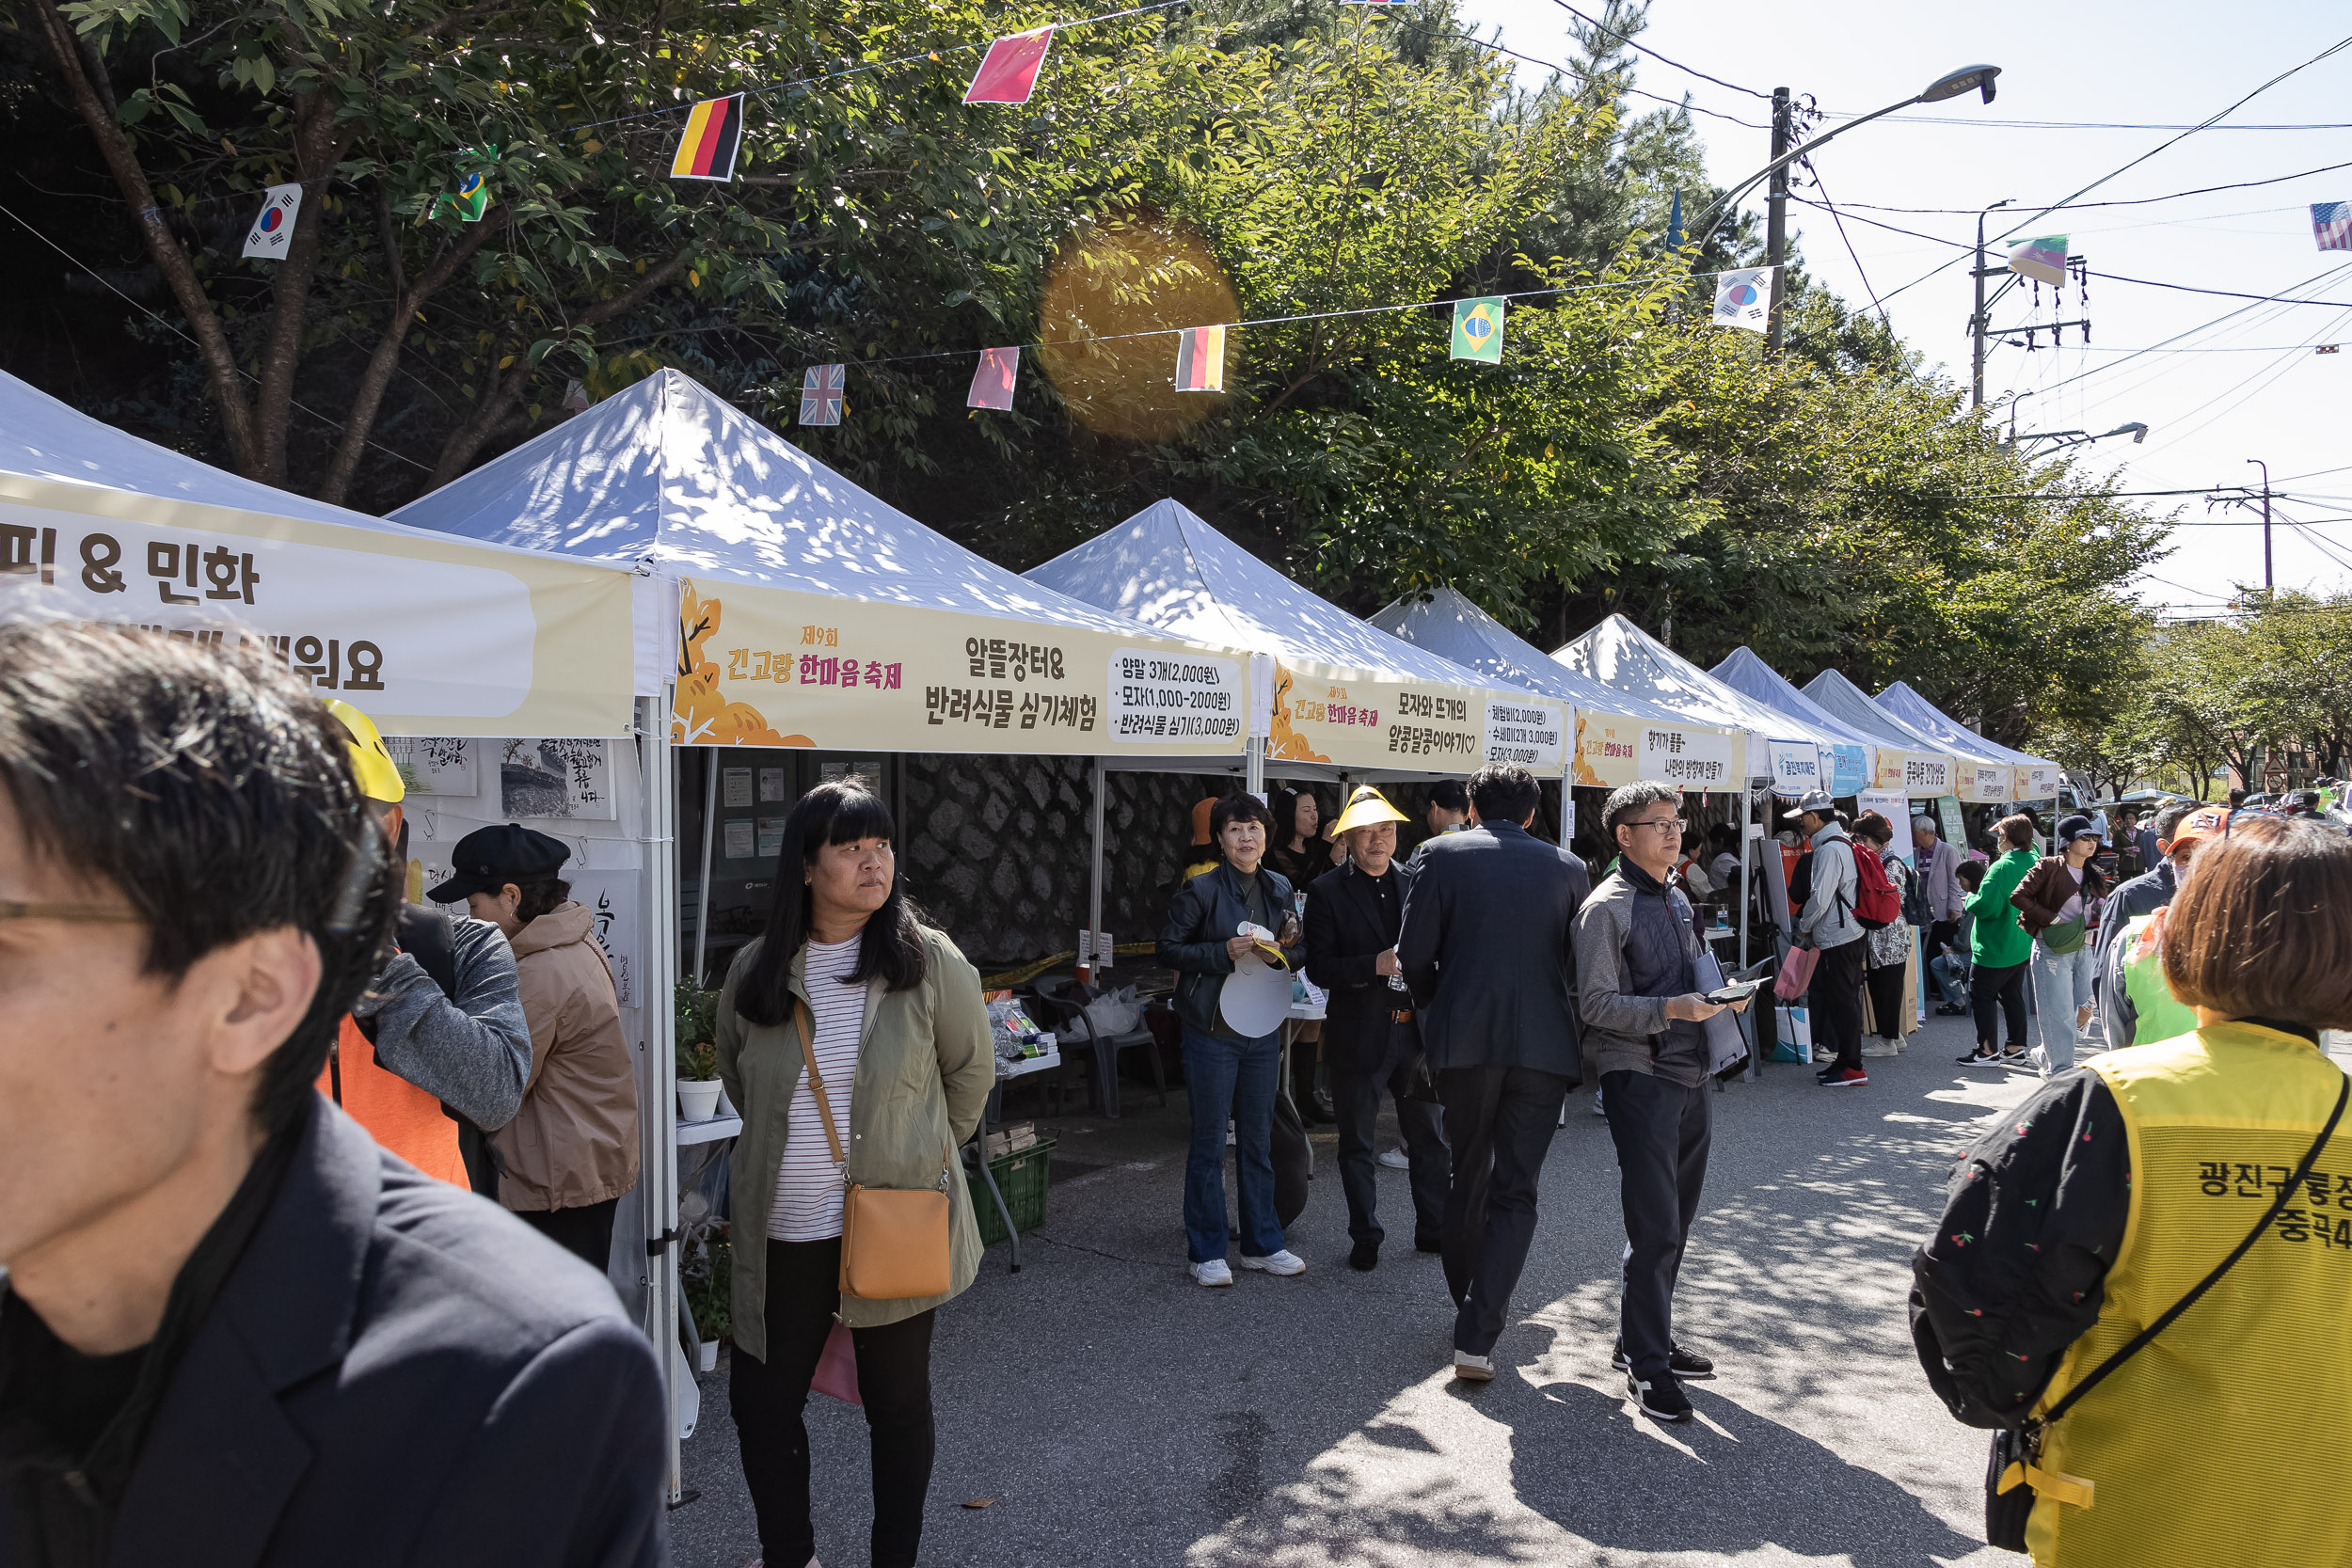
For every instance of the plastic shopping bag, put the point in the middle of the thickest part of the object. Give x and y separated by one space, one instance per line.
1794 1032
1796 972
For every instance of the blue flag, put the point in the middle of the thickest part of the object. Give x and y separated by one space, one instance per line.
1673 225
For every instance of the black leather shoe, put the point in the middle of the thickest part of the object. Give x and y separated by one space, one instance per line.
1365 1257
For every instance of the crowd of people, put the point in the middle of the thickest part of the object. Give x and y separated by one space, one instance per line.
232 1308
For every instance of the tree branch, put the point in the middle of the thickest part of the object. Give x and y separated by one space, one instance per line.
317 150
220 361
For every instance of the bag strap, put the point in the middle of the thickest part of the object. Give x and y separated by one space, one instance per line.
816 1084
2139 1342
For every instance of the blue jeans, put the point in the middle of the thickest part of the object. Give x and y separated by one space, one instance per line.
1952 978
2062 984
1235 1078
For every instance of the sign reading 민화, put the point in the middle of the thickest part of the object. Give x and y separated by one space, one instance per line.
1324 714
1796 767
774 667
1529 731
427 636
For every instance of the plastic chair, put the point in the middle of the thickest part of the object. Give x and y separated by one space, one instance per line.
1073 1027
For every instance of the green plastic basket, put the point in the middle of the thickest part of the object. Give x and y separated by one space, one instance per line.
1021 1176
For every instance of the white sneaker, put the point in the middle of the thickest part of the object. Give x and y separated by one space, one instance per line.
1597 1109
1396 1159
1876 1046
1474 1369
1215 1272
2039 1060
1284 1262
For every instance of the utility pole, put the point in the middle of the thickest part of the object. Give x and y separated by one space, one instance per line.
2266 469
1776 218
1977 322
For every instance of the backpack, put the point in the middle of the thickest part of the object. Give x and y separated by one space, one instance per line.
1876 902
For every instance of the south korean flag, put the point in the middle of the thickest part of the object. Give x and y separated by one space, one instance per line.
1745 298
273 231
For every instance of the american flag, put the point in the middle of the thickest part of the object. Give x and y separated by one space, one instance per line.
820 394
2331 225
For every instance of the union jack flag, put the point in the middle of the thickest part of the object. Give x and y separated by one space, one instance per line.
821 395
2331 225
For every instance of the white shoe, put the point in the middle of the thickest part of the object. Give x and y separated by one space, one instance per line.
1878 1047
1597 1105
1396 1159
1474 1369
1215 1272
1284 1262
2039 1060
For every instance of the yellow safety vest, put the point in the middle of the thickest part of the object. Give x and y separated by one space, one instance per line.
2197 1452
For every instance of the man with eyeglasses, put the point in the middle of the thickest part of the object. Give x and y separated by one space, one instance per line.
1638 994
1828 924
235 1332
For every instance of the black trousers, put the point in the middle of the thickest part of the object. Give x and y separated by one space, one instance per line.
1835 998
1356 1097
585 1232
1500 1122
1887 998
1994 992
894 1378
1661 1131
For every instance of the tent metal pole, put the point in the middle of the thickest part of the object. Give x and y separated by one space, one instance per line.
1253 775
658 1186
1747 901
702 889
1094 883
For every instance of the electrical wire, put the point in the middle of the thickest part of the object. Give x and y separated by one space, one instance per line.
2134 202
1583 76
332 424
1654 55
1832 208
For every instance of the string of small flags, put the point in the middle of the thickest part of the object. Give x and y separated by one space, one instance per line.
1477 336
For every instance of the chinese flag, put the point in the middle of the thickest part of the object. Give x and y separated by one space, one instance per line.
992 384
1009 74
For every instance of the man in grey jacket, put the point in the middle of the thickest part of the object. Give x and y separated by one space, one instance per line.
1636 964
1827 924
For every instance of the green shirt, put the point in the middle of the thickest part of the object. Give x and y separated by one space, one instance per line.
2000 941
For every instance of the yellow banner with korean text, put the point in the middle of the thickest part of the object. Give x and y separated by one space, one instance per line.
1326 714
1612 750
1921 775
427 634
776 667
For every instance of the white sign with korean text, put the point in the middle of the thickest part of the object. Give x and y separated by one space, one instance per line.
1983 781
1924 774
1796 767
611 900
1158 695
1695 759
1527 731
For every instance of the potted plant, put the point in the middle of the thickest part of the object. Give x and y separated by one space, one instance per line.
705 1279
698 1086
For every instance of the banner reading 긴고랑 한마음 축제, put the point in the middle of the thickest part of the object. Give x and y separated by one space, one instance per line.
774 667
425 634
1323 713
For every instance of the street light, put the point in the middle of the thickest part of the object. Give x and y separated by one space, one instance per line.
1786 152
2061 439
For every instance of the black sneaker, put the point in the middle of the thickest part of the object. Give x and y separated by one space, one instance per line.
1682 1363
1364 1256
1661 1398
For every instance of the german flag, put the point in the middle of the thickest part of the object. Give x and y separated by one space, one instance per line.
714 134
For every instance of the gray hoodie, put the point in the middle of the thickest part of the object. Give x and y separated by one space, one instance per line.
1828 916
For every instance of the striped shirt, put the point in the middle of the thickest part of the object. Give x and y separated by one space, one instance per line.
808 1184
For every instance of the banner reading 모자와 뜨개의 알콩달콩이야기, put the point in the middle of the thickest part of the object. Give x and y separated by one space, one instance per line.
776 667
427 635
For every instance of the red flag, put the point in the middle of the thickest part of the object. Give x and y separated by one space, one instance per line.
1200 360
1009 74
992 384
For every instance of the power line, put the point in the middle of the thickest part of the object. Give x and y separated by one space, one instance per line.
2312 281
2135 202
1654 55
1835 218
1990 125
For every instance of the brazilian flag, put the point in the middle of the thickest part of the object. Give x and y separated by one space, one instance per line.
474 186
1478 329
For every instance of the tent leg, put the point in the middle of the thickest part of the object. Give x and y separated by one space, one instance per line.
1747 901
657 1185
1253 775
1094 883
701 893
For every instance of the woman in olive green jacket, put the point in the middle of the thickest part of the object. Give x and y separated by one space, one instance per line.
901 1039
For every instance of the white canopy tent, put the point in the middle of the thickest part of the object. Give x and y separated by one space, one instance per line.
2031 778
1779 749
1920 766
1847 757
1609 744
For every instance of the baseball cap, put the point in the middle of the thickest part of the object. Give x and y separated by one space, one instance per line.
2204 822
487 859
1812 799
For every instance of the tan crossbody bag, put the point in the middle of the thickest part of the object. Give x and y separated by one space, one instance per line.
894 1242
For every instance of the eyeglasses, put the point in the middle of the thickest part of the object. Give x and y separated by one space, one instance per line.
96 914
1674 822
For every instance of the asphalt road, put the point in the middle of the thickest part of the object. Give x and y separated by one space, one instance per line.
1117 1414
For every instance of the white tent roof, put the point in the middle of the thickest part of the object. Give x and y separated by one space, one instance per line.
1171 571
1619 653
1743 670
1449 624
671 475
1856 706
1907 704
42 438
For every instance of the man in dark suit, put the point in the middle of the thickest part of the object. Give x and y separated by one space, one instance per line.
236 1332
1370 1039
1485 948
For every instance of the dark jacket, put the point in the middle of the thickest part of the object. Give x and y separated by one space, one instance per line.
395 1371
1347 930
2130 900
1486 950
2048 886
1207 913
1635 952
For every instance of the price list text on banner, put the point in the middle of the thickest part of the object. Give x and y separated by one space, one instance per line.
1159 695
